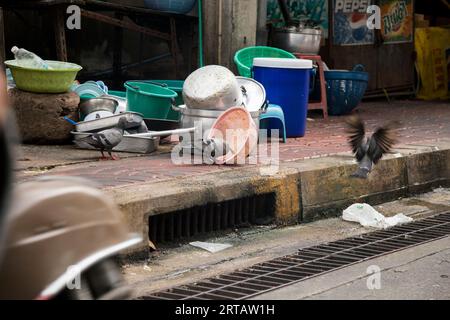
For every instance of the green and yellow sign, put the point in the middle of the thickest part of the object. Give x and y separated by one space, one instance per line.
397 20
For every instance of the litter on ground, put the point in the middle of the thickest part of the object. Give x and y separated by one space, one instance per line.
367 216
211 247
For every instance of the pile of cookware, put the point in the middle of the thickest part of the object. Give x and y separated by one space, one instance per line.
207 93
211 90
300 39
103 113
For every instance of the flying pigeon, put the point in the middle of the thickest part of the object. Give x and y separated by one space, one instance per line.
106 140
368 151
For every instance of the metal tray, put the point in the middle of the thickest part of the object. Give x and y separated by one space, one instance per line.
128 144
134 120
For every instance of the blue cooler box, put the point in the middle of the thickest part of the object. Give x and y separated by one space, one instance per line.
287 84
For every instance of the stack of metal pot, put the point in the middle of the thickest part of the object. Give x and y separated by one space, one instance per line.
211 90
299 39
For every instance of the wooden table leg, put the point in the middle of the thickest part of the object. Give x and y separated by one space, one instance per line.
60 34
193 49
117 55
2 38
174 44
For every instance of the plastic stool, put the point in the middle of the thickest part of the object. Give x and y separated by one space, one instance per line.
322 104
273 118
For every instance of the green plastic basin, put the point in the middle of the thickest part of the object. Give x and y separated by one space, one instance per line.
177 86
152 100
244 57
57 80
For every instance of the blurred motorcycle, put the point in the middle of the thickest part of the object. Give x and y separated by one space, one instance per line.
58 237
61 235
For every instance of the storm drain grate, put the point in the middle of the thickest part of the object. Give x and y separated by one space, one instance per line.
309 262
213 217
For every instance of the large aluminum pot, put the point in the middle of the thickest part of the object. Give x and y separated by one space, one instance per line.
190 117
306 40
253 98
212 88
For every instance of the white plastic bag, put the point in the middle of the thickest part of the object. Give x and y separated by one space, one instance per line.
367 216
211 247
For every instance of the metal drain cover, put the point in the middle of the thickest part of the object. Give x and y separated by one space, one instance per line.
309 262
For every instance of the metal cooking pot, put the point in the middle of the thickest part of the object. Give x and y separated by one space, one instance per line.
212 88
253 98
190 116
292 39
97 104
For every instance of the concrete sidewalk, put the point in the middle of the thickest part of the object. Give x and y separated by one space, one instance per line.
421 122
312 181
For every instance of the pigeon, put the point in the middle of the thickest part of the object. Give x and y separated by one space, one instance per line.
368 151
106 140
217 148
212 149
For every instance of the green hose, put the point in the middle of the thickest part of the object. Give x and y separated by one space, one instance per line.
200 34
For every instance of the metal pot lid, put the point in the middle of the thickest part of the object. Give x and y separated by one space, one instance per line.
254 94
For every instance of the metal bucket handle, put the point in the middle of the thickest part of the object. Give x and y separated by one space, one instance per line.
178 108
173 102
164 85
133 87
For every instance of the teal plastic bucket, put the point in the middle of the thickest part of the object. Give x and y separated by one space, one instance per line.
120 94
177 86
152 100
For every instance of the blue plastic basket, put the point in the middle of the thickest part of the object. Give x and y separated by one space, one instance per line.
175 6
345 89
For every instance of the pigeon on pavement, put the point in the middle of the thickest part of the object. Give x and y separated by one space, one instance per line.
368 151
106 140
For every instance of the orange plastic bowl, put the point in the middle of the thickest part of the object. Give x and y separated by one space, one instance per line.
237 128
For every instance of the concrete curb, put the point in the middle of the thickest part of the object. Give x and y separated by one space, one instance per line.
304 190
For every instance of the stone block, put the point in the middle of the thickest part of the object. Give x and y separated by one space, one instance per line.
40 117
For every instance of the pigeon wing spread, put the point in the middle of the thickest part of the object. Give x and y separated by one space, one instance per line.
368 152
357 132
381 143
